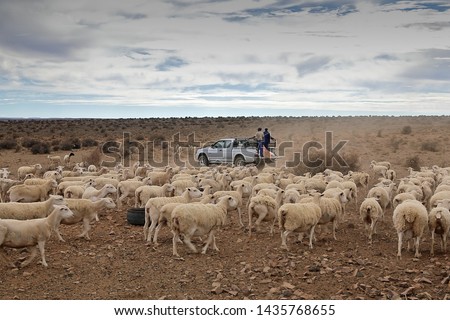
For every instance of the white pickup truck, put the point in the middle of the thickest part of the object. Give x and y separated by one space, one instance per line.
233 151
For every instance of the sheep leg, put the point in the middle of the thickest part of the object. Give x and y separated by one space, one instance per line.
151 229
32 256
334 228
261 217
211 239
416 245
284 235
187 241
175 239
250 213
432 243
86 228
60 238
399 246
41 245
240 217
311 237
444 242
157 229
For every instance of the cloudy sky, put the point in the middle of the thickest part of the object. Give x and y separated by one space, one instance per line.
164 58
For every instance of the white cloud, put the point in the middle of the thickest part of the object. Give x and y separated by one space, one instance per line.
333 55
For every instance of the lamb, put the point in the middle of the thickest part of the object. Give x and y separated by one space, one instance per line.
153 206
24 170
33 193
128 188
85 210
379 170
144 193
238 195
370 212
265 207
24 211
160 178
200 219
410 219
391 175
29 233
300 217
439 223
54 160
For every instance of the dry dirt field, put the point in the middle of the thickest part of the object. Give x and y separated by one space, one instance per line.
117 264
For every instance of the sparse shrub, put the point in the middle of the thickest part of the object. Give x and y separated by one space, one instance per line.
40 148
379 134
430 146
351 159
89 143
70 144
413 162
95 157
8 144
28 143
406 130
140 137
395 143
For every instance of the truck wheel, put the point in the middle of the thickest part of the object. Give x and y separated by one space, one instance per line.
239 161
203 160
260 163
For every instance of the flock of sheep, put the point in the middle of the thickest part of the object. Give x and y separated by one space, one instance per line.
198 202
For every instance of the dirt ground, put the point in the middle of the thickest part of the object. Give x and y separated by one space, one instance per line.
117 264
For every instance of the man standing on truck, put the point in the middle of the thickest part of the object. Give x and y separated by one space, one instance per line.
259 137
267 138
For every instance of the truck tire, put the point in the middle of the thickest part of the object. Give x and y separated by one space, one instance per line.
260 164
203 160
136 216
239 161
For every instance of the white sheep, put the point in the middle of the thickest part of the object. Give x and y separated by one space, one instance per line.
54 160
194 219
441 195
410 219
439 223
379 170
24 170
238 194
401 197
370 212
93 194
76 191
127 188
33 210
291 196
4 173
29 233
181 185
382 196
5 185
265 208
144 193
386 164
165 214
299 217
32 193
153 206
86 211
360 178
158 178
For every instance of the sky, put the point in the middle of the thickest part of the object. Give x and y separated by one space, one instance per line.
178 58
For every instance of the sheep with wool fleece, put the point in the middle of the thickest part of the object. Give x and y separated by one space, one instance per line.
359 178
4 173
93 194
153 206
29 233
259 186
265 207
181 184
401 197
315 183
381 195
144 193
410 219
165 213
52 174
379 170
370 212
194 219
128 188
158 178
31 193
76 192
102 181
300 217
439 223
330 207
5 185
86 211
441 195
33 210
67 157
24 170
386 164
238 194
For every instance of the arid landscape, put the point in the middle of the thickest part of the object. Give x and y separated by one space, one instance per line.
118 264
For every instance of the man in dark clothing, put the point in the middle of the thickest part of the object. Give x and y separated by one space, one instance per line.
267 138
